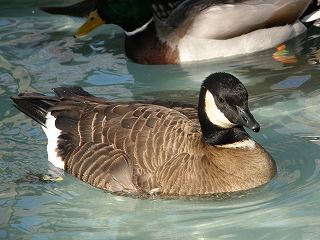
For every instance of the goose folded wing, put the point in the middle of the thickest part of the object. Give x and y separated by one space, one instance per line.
102 166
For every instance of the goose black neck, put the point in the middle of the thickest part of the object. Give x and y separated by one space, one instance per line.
213 134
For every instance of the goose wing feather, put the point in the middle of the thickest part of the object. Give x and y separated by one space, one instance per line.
146 135
102 166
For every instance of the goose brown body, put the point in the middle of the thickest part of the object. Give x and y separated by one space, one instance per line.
140 148
137 148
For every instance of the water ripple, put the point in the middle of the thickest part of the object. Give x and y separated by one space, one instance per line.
38 52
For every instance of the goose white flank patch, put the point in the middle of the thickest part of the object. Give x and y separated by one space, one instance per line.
53 135
155 148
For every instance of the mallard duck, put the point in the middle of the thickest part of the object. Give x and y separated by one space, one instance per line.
191 30
129 14
145 148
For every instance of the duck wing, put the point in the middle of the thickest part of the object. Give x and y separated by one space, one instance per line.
223 19
163 8
312 13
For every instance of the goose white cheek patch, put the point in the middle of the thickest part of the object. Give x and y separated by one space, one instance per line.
214 114
52 134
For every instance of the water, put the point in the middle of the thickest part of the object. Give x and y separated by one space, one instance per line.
37 53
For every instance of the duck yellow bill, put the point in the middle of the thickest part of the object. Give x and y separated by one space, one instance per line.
93 21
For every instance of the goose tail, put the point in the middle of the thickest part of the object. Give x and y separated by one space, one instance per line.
34 105
58 116
37 106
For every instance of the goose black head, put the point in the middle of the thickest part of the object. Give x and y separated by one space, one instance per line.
223 105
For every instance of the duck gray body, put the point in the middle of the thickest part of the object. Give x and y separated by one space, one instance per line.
140 148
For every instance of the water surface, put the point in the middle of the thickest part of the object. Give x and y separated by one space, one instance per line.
38 52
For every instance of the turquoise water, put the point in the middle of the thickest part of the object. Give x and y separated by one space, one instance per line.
38 52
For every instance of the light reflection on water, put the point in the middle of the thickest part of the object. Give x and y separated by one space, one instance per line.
38 52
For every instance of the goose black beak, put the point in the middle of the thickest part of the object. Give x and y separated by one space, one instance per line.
246 119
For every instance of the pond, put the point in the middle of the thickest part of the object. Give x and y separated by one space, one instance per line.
38 52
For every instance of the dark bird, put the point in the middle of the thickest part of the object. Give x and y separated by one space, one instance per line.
175 31
163 148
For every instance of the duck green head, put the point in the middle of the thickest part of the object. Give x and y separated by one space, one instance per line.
128 14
